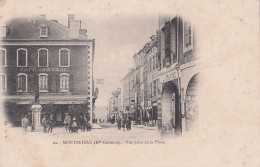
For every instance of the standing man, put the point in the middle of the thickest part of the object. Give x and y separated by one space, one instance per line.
50 124
67 121
124 122
82 122
119 123
129 122
25 123
44 124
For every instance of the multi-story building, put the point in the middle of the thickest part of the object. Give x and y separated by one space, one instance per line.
169 80
151 51
48 64
114 106
126 90
177 99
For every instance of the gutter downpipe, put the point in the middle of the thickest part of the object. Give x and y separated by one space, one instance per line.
179 81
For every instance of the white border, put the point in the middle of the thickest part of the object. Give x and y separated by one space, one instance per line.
47 57
39 82
25 81
5 57
17 57
68 56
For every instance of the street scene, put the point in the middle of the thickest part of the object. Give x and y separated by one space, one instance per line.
57 81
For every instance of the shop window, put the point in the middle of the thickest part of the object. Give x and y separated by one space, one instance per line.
22 57
64 57
22 83
42 57
2 57
64 82
2 82
43 82
44 31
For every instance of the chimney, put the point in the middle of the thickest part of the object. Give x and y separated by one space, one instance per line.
74 29
70 17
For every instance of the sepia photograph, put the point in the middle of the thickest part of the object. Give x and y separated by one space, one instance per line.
129 84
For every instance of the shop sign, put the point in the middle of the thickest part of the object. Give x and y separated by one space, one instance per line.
169 76
34 69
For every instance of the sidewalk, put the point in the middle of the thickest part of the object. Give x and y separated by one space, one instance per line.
146 127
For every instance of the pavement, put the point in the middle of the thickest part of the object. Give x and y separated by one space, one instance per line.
99 132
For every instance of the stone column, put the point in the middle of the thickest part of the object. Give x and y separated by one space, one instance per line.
36 116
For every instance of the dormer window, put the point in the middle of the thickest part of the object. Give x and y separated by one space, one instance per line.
2 31
44 31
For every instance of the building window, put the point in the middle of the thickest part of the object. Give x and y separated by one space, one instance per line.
44 31
64 82
64 57
22 83
154 62
187 37
3 31
2 82
43 57
22 57
43 82
2 57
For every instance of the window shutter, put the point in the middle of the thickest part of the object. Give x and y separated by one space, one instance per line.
50 83
57 83
71 82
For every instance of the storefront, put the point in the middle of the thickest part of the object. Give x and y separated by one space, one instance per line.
17 107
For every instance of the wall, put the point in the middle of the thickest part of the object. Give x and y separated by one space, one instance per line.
78 69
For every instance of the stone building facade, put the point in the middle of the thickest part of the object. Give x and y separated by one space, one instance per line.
46 63
170 77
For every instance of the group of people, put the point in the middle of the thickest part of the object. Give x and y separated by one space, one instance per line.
72 125
125 123
48 124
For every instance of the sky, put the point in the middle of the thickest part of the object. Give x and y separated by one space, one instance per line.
117 39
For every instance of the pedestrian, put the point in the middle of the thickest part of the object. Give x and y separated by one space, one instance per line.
44 124
25 124
129 119
124 123
51 123
119 121
82 122
67 122
74 125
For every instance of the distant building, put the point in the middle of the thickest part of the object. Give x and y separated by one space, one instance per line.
127 89
114 106
46 63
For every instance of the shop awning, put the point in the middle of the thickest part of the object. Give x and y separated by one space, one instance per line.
27 99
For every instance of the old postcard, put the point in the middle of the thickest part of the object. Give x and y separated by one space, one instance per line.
129 83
